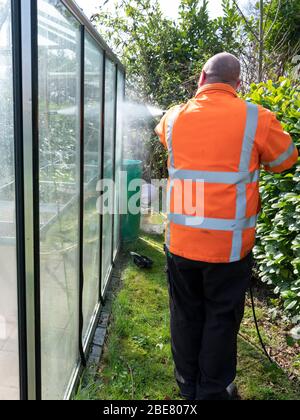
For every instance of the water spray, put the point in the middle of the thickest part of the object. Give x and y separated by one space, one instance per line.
155 112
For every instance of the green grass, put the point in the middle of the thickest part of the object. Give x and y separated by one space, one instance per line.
137 363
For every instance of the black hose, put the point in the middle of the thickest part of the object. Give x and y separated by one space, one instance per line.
258 330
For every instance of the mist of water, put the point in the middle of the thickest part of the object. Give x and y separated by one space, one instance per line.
155 111
139 120
142 111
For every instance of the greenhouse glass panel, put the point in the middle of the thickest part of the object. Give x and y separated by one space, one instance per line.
118 156
9 360
92 163
59 99
109 133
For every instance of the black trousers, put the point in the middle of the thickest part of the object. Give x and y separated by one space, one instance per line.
207 304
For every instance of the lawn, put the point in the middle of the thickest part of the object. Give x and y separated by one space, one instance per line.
137 362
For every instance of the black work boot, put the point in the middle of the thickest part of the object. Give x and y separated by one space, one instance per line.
233 392
187 389
230 394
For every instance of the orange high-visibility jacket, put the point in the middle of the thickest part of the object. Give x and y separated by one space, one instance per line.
221 141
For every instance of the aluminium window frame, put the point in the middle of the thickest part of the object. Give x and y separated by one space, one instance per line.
19 195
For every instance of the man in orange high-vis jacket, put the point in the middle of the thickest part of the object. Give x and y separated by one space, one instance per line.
217 144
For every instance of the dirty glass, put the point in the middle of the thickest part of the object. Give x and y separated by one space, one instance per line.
59 96
109 133
118 156
92 161
9 363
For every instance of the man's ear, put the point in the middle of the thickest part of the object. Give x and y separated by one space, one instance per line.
238 84
202 79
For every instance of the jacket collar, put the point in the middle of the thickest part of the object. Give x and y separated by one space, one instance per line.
221 87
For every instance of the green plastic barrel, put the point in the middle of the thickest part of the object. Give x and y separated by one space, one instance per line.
130 223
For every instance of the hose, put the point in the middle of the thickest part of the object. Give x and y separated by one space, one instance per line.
258 330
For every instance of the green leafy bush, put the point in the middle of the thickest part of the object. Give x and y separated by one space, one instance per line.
278 246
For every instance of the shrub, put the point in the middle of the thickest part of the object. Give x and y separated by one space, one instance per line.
278 245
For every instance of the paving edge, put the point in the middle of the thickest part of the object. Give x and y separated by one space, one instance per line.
98 342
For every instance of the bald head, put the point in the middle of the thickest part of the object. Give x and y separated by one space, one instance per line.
222 68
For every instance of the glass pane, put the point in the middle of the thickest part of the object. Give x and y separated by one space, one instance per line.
109 124
9 363
92 138
119 146
59 94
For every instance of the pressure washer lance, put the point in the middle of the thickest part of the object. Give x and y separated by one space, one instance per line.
141 261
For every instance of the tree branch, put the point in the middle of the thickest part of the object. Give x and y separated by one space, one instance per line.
268 13
274 21
246 20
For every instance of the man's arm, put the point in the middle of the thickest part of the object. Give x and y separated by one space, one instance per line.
278 153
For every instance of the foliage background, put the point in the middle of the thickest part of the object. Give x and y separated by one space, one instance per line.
164 58
278 246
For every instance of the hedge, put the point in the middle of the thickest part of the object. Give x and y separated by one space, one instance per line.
278 243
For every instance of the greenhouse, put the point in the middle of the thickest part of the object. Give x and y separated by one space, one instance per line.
61 94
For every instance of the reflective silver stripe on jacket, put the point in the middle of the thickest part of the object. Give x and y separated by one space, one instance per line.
225 225
170 126
215 177
282 158
168 230
239 179
241 202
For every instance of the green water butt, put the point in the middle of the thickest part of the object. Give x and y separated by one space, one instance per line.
130 223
